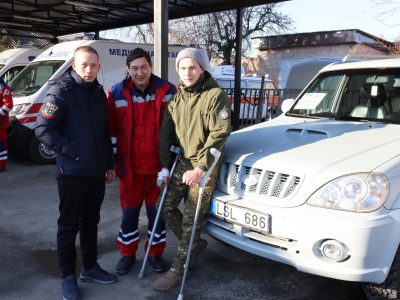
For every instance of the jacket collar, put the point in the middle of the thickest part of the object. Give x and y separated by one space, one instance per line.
81 83
205 81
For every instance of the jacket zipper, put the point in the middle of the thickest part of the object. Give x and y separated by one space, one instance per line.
187 123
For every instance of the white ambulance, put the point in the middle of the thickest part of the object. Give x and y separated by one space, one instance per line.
12 61
31 85
318 187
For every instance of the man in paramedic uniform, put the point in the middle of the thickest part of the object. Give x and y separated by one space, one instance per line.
135 109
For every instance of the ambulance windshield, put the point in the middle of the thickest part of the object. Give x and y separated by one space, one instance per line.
34 76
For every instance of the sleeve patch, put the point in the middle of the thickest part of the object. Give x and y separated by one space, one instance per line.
223 115
6 92
49 110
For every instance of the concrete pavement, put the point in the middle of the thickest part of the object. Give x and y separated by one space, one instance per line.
28 261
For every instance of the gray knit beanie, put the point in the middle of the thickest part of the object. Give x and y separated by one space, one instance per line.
199 55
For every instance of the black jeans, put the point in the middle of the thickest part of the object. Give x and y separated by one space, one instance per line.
80 202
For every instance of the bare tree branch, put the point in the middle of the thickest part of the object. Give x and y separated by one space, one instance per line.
390 12
217 31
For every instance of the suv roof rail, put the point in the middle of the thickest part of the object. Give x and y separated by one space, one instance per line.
356 56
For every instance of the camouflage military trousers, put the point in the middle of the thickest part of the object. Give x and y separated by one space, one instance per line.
181 223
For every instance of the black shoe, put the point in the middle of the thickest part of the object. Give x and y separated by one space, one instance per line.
157 263
98 275
125 264
69 286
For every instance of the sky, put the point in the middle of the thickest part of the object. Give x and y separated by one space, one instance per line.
377 17
371 16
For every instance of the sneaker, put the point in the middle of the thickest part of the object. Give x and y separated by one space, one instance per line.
97 274
70 289
199 249
167 281
125 264
157 263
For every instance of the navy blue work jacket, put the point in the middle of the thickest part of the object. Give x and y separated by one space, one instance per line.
73 122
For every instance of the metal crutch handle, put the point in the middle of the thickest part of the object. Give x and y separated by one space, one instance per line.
216 153
177 151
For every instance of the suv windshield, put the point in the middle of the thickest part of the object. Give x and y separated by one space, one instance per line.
32 78
362 95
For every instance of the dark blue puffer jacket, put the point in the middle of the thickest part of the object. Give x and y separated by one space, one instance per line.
73 123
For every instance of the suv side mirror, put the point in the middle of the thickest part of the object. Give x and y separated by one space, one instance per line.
286 105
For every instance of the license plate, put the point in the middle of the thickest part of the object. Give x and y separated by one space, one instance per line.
241 216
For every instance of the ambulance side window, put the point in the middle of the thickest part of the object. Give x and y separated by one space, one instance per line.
11 73
43 74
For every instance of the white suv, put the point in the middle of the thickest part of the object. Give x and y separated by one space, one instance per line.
318 187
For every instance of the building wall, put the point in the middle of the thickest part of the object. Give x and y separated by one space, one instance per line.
276 62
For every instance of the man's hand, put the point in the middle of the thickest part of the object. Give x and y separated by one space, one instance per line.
110 176
165 182
192 177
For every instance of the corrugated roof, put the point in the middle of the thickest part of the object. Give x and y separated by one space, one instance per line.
52 18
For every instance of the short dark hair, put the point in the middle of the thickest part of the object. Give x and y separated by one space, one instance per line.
86 49
138 53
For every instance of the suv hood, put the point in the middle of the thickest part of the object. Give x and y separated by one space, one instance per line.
300 147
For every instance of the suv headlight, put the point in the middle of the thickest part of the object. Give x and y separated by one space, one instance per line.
362 192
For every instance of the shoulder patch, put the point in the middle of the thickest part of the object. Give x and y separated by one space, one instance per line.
49 110
223 115
6 92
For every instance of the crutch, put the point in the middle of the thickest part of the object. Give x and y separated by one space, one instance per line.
216 153
177 151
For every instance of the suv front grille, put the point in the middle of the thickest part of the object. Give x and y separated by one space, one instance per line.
257 183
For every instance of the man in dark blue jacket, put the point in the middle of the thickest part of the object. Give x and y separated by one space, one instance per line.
73 123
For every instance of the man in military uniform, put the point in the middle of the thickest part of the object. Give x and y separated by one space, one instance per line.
197 119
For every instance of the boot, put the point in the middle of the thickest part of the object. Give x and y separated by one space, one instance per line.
167 281
157 263
125 264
